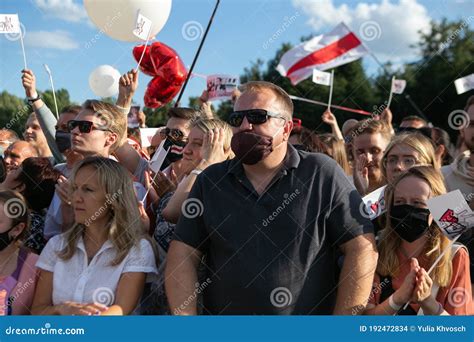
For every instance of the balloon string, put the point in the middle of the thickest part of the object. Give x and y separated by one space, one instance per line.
143 53
197 54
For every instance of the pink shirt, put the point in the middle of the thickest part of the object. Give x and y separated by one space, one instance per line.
22 294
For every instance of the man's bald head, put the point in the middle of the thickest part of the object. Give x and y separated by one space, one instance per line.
17 152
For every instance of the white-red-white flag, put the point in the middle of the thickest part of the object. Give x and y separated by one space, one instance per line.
327 51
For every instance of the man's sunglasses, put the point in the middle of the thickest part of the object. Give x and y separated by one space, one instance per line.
84 126
254 117
174 134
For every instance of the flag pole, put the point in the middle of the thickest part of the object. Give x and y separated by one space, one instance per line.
391 93
407 96
197 53
437 261
330 90
358 111
22 43
52 87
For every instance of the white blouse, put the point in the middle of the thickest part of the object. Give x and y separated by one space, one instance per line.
75 280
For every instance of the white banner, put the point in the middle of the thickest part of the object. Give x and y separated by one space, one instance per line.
221 86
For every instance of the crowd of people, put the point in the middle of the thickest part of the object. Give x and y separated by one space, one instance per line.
255 215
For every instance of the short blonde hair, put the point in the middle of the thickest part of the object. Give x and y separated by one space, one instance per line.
207 125
282 97
112 118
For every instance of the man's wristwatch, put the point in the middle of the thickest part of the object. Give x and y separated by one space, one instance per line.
31 100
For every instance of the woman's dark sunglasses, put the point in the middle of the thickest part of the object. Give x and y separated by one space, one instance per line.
254 117
84 126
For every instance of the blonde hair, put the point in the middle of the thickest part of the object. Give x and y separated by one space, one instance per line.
338 151
111 118
390 241
419 143
282 97
124 225
207 125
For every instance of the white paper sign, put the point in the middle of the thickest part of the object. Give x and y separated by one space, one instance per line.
221 87
158 158
146 135
464 84
398 86
375 203
451 212
9 23
142 27
321 77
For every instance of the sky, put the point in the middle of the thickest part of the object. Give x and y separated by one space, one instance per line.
60 34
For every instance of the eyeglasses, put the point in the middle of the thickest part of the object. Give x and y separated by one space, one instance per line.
406 162
174 134
254 117
84 126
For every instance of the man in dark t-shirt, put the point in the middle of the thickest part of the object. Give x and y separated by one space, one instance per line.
271 224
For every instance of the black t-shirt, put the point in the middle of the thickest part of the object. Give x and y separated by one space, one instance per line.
275 253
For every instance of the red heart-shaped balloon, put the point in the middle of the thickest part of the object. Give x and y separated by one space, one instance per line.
167 63
162 62
146 65
159 92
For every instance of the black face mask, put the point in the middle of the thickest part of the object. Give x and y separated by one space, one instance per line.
63 140
409 222
175 152
5 239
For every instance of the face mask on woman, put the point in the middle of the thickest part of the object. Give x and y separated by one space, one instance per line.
409 222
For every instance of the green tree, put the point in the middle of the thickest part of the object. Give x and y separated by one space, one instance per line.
447 54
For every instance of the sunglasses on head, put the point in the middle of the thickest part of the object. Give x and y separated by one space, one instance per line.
254 117
84 126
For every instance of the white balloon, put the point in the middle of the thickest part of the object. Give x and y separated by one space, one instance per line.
117 18
104 81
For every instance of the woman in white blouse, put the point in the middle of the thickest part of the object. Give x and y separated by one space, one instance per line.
99 266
